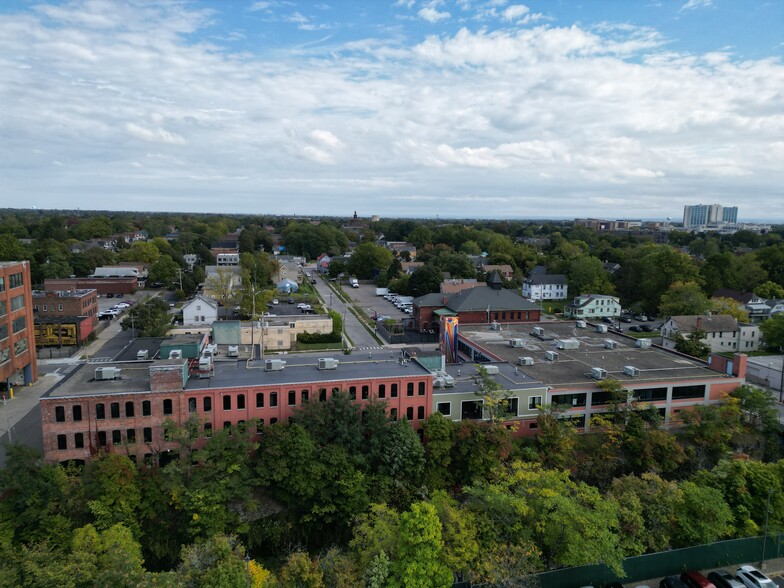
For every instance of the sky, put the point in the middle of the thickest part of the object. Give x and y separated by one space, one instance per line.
407 108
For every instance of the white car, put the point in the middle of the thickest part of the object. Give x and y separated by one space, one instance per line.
753 578
274 301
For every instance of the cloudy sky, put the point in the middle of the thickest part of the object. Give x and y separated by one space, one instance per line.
450 108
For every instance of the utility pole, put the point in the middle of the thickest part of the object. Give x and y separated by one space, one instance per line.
765 535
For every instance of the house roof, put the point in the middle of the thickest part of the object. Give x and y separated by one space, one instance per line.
709 324
200 298
432 299
742 297
484 298
586 299
540 279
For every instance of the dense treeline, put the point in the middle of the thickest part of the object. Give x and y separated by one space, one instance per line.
341 496
676 278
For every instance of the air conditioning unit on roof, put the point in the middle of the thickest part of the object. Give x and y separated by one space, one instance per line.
327 363
107 373
580 324
538 331
274 365
610 344
491 370
631 371
601 328
516 343
551 355
525 361
644 343
598 373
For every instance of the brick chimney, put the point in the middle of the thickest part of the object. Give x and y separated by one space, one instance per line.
169 376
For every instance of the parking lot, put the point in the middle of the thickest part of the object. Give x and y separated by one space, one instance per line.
365 298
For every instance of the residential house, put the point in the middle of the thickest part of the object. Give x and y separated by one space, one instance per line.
504 270
190 259
200 310
409 267
540 285
398 247
722 332
322 263
591 306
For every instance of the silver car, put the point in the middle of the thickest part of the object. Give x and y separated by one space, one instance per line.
753 578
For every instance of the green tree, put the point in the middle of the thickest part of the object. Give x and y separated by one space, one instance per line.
701 516
586 275
439 438
419 562
221 285
143 251
495 399
111 557
149 319
693 344
112 491
404 458
556 439
376 534
773 332
769 290
368 259
425 280
708 430
729 306
165 271
683 298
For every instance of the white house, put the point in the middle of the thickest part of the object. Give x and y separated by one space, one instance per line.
722 332
228 259
590 306
199 311
544 286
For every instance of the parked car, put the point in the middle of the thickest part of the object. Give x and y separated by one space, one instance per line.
723 579
274 301
751 577
120 295
291 301
608 319
625 318
647 328
694 579
636 328
313 280
110 295
672 582
641 317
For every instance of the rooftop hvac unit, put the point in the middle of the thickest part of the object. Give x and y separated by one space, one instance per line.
538 331
631 371
205 362
107 373
491 370
327 363
567 344
449 381
644 343
438 382
551 355
142 354
494 326
516 343
598 373
525 361
175 354
234 351
601 328
610 344
580 324
274 365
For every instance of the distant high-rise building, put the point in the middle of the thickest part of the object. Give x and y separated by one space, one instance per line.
696 215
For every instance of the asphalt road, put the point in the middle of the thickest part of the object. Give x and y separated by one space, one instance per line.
357 333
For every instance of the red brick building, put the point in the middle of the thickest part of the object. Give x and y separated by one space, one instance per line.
66 303
126 411
17 346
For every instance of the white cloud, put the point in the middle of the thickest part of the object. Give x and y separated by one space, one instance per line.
695 4
433 15
515 11
142 100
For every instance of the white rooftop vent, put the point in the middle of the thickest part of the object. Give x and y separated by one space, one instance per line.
644 343
491 370
610 344
233 351
107 373
142 354
567 344
598 373
551 355
516 343
449 381
205 362
538 331
274 365
327 363
601 328
631 371
438 382
175 354
580 324
525 361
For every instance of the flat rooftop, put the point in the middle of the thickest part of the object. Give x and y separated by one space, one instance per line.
299 369
573 366
63 293
465 376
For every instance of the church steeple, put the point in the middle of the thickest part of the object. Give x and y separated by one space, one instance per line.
355 215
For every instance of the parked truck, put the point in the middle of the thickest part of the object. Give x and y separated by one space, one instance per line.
382 291
354 282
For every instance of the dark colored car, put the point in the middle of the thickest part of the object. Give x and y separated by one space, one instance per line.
636 328
291 301
626 318
313 280
695 579
110 295
723 579
646 328
672 582
608 319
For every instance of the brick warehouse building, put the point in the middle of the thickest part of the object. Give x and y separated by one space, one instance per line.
126 285
98 408
66 303
17 346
